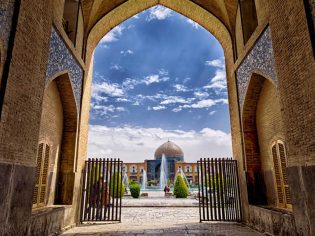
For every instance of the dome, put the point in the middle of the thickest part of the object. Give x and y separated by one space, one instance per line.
170 150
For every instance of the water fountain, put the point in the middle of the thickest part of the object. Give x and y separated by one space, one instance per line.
144 180
126 181
181 172
163 172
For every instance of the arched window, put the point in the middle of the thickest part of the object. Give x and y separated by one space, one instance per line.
42 162
188 169
248 18
133 169
281 181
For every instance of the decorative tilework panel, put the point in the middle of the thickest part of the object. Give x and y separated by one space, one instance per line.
259 59
61 59
6 13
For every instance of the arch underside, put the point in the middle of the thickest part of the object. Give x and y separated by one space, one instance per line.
187 8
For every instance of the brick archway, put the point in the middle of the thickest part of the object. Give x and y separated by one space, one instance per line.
256 113
128 9
67 159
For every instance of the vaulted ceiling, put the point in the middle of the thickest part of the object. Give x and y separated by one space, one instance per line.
224 10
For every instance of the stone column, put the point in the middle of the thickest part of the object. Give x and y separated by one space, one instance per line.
21 113
295 66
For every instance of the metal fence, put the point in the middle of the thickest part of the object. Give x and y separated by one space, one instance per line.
102 190
219 197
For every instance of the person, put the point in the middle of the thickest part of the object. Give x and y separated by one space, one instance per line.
166 189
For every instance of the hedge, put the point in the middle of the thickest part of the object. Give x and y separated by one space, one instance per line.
180 187
115 180
135 190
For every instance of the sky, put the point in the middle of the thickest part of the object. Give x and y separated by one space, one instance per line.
159 76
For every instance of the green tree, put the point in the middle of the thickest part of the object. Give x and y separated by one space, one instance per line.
180 187
135 190
117 187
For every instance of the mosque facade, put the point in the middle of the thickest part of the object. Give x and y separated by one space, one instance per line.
174 156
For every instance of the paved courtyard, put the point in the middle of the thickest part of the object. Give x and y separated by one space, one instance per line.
161 221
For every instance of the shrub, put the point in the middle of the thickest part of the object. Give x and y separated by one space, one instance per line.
135 190
180 187
115 190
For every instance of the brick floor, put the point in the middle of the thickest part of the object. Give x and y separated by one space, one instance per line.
161 221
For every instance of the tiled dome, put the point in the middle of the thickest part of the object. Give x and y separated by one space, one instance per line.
169 149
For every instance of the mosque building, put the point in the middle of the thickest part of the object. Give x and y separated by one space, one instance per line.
174 156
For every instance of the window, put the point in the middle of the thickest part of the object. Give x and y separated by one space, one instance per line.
41 175
281 180
188 169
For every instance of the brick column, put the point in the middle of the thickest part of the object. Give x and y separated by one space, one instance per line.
296 69
20 120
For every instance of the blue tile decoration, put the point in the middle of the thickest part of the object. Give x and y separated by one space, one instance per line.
6 13
261 60
61 59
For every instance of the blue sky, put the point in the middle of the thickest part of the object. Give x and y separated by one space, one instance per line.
159 76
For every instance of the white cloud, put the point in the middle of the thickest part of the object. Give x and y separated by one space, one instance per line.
113 35
112 90
142 142
206 103
218 82
99 98
159 13
116 67
203 104
180 88
211 113
193 23
177 109
120 109
126 52
216 63
122 100
200 94
174 99
163 72
136 16
130 83
151 79
158 108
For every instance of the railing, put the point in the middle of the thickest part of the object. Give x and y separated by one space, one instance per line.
102 190
219 197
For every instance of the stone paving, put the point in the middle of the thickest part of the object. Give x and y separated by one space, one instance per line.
161 221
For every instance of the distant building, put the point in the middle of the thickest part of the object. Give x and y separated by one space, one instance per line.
175 162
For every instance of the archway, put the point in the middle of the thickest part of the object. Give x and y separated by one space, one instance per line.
187 8
57 140
263 129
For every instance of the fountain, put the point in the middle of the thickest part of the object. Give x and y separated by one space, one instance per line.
163 173
126 181
181 172
144 180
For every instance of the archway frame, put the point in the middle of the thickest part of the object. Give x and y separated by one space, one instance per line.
251 145
68 149
132 7
253 82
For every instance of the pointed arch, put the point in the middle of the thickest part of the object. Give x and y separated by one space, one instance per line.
261 123
59 131
184 7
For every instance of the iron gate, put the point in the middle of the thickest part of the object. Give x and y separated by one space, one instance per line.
219 197
102 190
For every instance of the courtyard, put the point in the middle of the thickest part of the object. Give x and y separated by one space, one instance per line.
157 220
228 86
